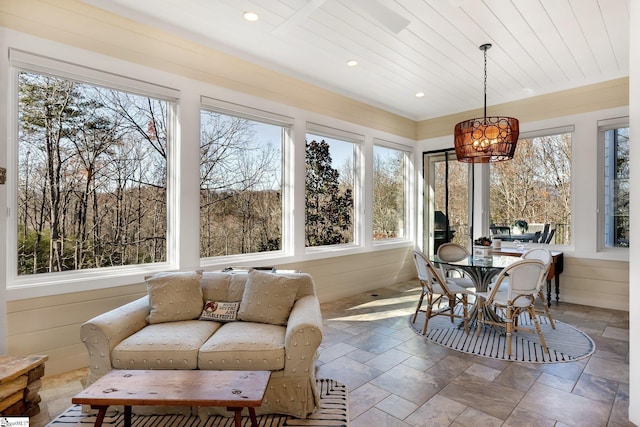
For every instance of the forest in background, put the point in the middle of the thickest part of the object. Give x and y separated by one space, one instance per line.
92 181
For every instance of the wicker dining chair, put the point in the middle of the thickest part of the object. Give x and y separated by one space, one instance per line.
436 289
451 252
525 278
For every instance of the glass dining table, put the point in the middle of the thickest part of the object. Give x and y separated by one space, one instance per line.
481 271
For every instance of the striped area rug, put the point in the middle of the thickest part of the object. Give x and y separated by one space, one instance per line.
333 411
565 343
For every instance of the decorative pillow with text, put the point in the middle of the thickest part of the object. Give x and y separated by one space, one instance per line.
220 311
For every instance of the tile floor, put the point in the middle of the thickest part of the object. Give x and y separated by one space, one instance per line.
396 378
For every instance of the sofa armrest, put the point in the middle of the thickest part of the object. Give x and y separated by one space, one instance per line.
303 336
102 333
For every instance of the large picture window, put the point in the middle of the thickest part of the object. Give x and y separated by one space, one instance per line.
530 195
92 176
389 193
329 188
240 185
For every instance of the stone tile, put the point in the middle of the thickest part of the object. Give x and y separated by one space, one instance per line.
334 351
418 363
373 342
360 355
556 382
388 359
349 372
565 407
607 355
616 333
437 411
378 418
611 345
620 412
365 397
332 335
471 417
450 367
596 388
486 396
396 406
616 371
421 347
524 418
482 371
410 384
570 371
520 376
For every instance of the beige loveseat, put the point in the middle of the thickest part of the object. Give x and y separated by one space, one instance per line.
278 328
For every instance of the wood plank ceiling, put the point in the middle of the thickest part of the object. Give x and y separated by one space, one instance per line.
408 46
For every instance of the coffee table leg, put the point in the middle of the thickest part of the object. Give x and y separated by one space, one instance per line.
237 415
127 416
102 410
252 415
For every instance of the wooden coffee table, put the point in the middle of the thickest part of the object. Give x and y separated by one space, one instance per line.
233 389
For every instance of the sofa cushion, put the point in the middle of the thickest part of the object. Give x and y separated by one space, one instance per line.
172 345
244 345
268 298
174 296
220 311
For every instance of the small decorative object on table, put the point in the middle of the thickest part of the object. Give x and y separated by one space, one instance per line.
482 247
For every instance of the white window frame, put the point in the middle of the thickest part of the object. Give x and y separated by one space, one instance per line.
287 123
570 129
408 156
42 283
358 175
603 126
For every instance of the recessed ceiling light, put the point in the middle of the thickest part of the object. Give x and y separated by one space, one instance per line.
250 16
419 94
352 63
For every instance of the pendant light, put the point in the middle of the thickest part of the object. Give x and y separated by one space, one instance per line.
486 139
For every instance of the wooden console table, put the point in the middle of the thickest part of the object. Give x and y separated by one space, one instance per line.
557 267
19 384
231 389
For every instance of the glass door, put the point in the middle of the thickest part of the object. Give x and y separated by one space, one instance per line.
446 200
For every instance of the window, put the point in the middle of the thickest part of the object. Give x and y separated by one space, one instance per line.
389 193
92 175
616 187
329 190
531 193
240 185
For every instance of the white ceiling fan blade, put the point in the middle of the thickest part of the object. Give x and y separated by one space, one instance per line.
381 13
298 16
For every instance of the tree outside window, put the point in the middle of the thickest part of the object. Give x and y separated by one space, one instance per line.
616 187
240 185
389 198
329 213
535 187
92 176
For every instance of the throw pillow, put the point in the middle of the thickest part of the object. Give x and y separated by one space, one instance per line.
220 311
174 296
268 298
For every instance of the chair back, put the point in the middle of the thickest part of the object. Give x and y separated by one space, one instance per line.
542 254
525 278
428 275
452 252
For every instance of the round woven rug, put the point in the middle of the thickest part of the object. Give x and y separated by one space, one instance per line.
565 343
